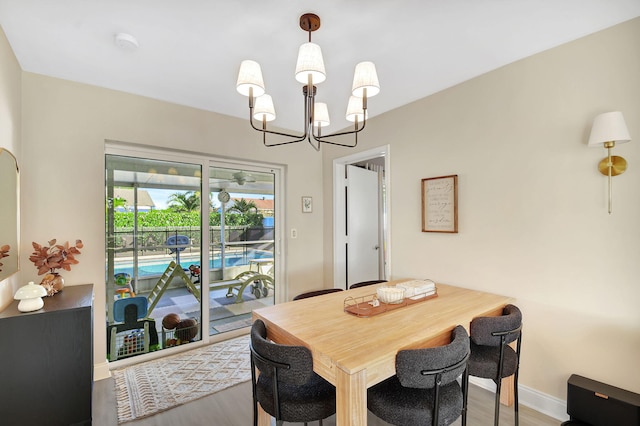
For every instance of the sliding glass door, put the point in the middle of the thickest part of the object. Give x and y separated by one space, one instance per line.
153 241
191 248
241 245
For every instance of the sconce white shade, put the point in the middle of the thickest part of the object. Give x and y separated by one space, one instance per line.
30 297
365 77
321 115
264 108
354 110
310 62
609 127
250 77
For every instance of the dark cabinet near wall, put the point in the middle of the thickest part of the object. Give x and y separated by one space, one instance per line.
46 361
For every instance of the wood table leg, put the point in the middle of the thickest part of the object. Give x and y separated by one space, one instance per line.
506 392
351 398
264 419
507 396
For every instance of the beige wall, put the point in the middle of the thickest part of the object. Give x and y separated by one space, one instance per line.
10 139
533 220
65 127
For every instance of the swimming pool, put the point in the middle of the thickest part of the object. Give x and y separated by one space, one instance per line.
155 267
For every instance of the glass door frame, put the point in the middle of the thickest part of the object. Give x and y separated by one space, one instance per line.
206 161
279 220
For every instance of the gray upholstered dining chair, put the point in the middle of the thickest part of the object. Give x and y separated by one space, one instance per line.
425 390
365 283
492 357
286 386
314 293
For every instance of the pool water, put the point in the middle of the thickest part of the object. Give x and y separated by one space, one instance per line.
148 268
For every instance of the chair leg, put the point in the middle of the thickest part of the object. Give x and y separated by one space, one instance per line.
465 393
253 391
515 397
496 419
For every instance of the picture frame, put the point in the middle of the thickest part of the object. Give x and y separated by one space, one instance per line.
307 204
440 204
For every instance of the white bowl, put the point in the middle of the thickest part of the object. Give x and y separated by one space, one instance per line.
391 295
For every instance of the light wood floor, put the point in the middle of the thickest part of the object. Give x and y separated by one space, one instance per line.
232 407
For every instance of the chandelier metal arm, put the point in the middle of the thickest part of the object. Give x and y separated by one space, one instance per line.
309 92
355 132
264 131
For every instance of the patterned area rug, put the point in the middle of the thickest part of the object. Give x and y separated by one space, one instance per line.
154 386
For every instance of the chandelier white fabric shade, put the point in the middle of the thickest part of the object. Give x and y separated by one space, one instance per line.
264 109
321 115
354 110
609 127
365 77
250 77
310 62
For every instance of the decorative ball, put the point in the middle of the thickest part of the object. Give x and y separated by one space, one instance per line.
170 321
187 330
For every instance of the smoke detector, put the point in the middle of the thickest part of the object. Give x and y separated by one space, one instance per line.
126 41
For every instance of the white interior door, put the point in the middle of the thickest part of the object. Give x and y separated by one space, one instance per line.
362 225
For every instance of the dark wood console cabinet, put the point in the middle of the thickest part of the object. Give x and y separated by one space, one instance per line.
46 361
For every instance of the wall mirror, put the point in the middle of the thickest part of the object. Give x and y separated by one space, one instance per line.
9 214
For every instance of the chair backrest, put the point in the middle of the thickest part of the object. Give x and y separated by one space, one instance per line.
489 331
287 364
424 368
365 283
316 293
177 242
130 309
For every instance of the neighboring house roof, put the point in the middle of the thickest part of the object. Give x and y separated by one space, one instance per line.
261 204
144 199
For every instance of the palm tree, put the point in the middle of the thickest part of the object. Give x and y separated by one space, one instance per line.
184 201
243 206
119 202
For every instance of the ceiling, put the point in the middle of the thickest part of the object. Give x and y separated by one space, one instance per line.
189 51
125 171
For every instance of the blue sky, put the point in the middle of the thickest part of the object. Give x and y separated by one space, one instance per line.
160 196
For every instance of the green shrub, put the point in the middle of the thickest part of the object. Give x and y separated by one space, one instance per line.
172 219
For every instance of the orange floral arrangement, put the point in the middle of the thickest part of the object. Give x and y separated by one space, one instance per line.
55 256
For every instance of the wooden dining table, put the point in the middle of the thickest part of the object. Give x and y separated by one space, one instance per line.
354 352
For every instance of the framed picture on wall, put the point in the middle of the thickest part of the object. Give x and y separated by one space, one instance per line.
307 204
440 204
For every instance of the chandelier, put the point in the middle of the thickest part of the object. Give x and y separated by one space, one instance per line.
309 71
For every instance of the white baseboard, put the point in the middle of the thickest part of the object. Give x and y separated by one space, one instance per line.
541 402
101 371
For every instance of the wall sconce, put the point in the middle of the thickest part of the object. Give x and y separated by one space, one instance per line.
607 129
